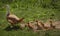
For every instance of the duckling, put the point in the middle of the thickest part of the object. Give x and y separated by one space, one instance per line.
31 26
42 26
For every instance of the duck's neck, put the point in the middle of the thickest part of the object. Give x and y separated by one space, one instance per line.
8 10
51 23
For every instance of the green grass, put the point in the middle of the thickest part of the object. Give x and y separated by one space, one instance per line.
30 33
36 13
31 12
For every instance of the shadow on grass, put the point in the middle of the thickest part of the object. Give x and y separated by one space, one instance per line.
8 28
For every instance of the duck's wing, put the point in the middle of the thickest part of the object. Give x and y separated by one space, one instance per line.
13 17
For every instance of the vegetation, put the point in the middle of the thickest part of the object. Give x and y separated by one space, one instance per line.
31 10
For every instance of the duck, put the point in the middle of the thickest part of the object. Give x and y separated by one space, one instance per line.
50 24
12 18
40 25
31 26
